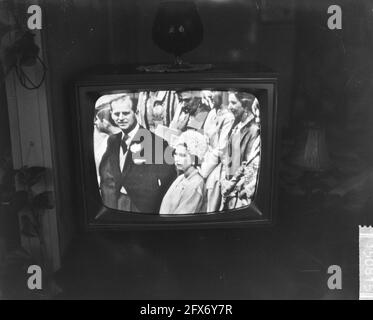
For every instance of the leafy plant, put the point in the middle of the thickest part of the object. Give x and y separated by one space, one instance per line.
33 206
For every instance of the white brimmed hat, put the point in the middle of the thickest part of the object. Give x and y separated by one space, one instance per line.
195 142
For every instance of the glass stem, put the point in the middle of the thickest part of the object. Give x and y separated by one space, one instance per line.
178 61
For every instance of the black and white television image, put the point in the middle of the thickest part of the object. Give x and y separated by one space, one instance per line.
177 152
186 150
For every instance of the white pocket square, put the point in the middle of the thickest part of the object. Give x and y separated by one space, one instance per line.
139 161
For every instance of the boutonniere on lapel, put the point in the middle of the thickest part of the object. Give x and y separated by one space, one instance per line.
136 149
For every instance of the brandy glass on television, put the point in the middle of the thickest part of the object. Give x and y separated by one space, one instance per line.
177 29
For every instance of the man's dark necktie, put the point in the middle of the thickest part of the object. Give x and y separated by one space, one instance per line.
123 144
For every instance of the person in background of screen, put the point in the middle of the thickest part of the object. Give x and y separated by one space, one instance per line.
191 112
134 175
156 107
243 157
145 109
103 128
186 194
217 127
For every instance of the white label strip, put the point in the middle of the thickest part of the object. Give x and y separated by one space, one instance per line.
366 263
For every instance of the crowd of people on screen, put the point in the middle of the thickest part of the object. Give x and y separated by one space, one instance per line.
215 141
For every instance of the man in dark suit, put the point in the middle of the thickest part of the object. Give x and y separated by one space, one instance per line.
192 112
137 167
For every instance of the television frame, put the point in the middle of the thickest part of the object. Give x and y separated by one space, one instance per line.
95 213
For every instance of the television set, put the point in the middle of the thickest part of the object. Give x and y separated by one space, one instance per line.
176 150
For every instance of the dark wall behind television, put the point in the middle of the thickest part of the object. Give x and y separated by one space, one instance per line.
81 34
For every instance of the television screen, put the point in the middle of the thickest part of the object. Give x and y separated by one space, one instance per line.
177 152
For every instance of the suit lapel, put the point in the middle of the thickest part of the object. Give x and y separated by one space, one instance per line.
244 133
116 152
247 134
129 160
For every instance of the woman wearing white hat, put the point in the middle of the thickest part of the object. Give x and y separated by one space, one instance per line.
186 194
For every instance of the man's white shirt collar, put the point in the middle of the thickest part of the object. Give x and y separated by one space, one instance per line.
123 156
131 134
